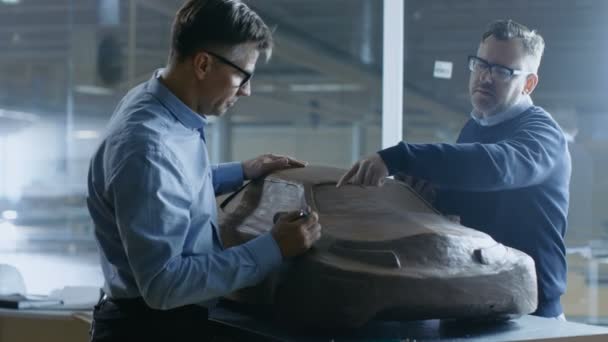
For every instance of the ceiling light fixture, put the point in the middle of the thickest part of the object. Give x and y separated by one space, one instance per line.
325 87
86 134
10 215
93 90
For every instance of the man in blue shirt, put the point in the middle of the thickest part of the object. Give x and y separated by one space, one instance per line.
151 188
508 173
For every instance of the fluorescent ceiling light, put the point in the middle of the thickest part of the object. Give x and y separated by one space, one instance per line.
17 115
93 90
9 215
325 87
11 2
86 134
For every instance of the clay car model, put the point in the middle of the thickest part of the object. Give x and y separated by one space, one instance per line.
384 252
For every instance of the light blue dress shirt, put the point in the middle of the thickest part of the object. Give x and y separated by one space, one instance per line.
521 106
151 194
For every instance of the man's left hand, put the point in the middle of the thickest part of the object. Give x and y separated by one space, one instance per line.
267 163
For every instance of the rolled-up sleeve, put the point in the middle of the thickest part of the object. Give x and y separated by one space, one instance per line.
152 203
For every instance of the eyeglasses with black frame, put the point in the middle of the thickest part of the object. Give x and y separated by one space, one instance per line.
224 60
498 71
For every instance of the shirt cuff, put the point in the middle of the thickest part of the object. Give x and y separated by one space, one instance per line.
266 252
228 176
395 158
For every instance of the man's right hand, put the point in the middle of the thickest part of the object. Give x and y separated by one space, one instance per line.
369 171
295 234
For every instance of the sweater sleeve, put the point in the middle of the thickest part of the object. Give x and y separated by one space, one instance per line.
526 158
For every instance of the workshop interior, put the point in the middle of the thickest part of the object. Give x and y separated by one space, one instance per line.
346 78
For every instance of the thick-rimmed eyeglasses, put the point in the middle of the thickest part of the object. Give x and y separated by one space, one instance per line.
497 71
226 61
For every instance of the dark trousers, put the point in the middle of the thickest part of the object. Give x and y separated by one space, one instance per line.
133 320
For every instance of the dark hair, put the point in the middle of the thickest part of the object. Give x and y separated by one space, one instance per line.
200 24
533 43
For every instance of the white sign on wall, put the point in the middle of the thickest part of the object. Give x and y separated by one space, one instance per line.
442 69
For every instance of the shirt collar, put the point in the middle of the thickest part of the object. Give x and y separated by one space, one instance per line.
524 103
183 113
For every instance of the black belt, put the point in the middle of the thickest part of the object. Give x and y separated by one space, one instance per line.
138 305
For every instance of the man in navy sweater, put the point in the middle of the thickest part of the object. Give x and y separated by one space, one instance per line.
509 171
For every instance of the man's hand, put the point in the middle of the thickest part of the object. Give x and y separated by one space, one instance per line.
267 163
370 171
296 234
425 189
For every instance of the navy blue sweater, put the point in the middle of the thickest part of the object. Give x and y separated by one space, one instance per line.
510 181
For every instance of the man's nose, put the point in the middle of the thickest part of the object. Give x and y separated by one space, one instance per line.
245 90
485 76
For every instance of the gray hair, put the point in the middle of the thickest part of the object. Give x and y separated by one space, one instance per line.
533 43
200 24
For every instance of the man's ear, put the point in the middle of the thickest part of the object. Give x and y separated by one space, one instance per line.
201 63
530 85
